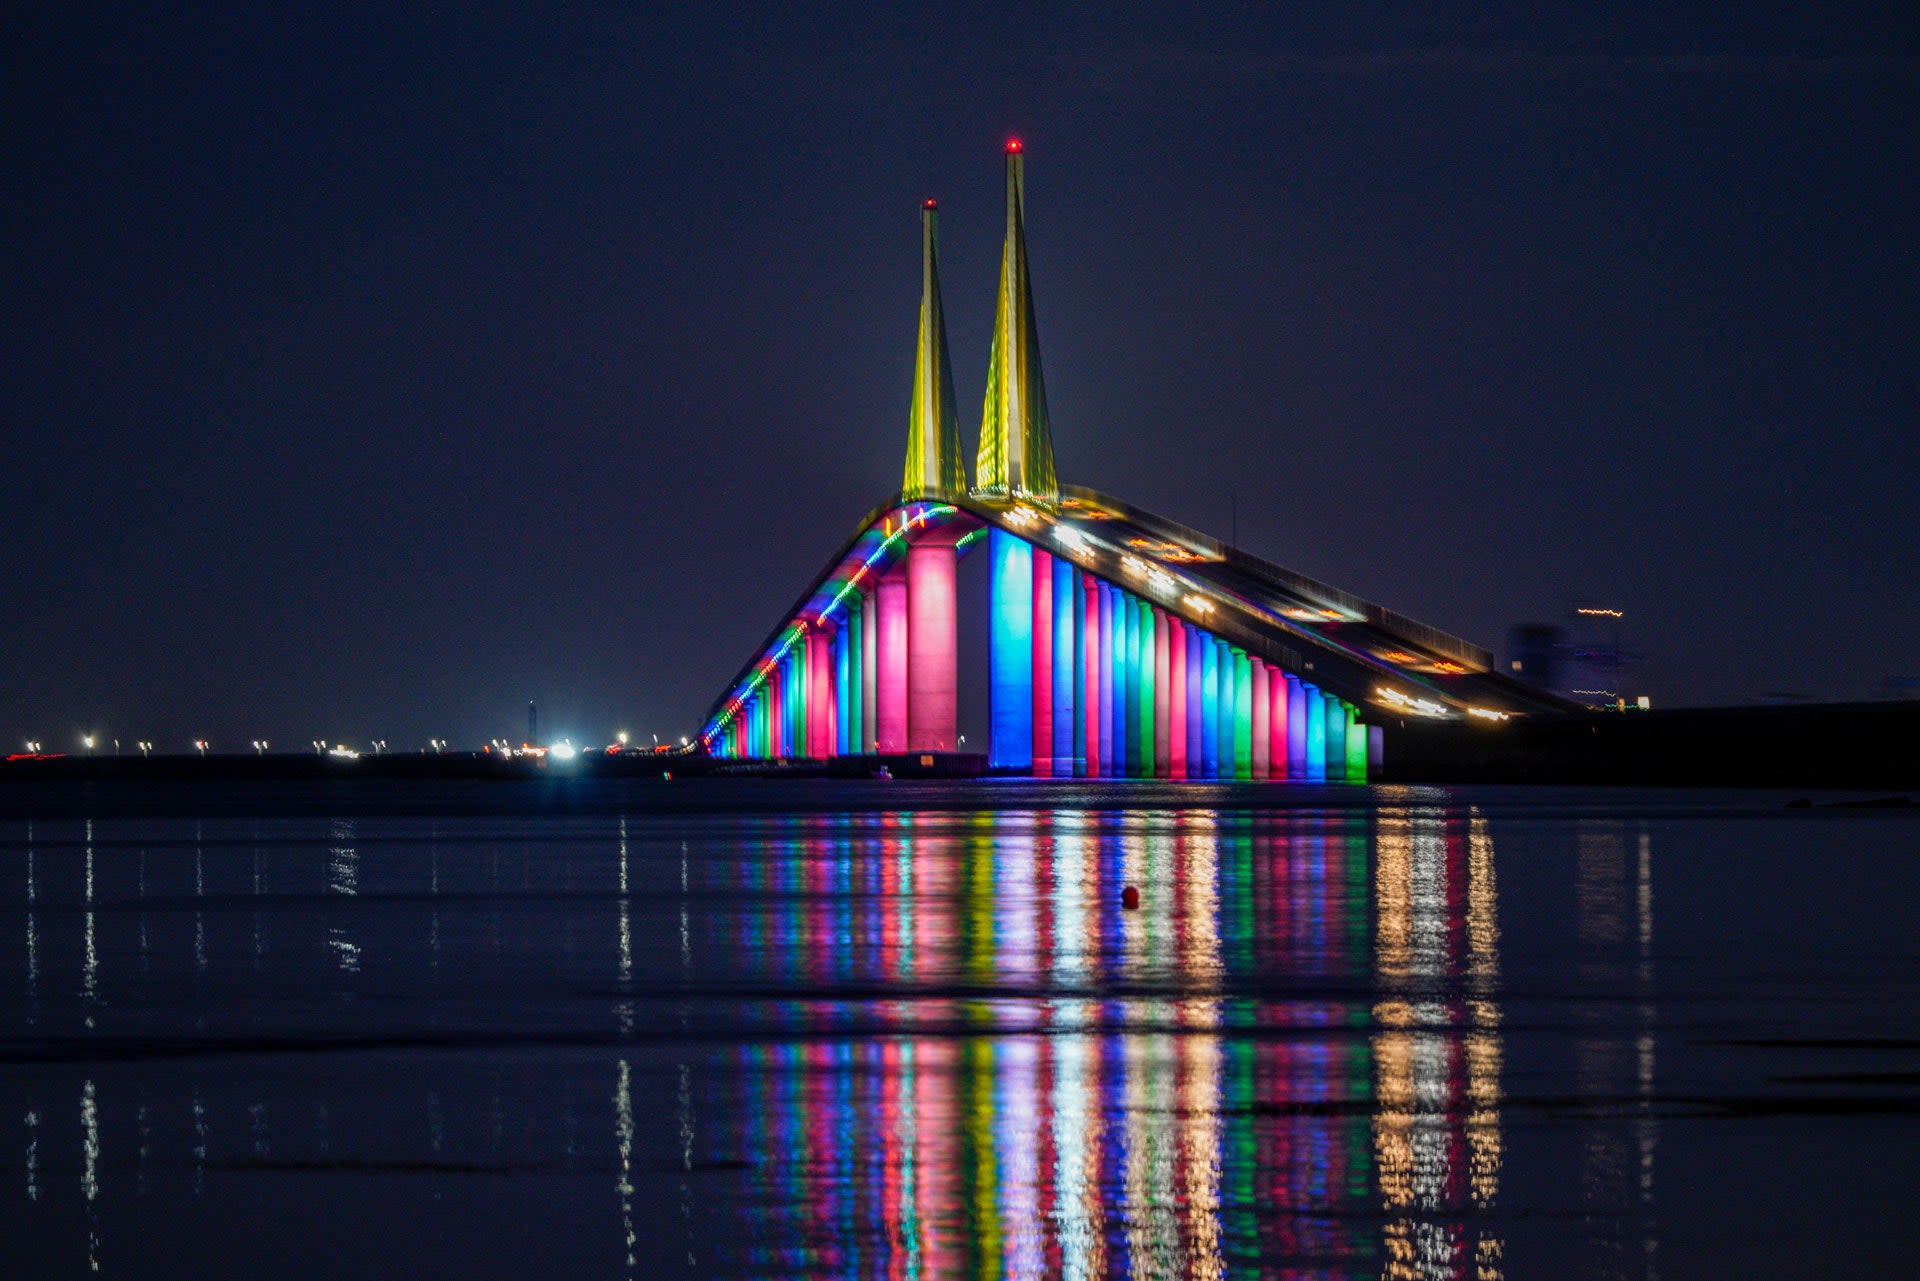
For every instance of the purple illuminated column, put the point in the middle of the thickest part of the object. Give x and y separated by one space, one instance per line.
1042 664
1262 727
1296 728
890 628
933 663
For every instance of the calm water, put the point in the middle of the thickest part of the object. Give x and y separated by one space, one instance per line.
1391 1032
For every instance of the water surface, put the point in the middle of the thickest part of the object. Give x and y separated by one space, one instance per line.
814 1030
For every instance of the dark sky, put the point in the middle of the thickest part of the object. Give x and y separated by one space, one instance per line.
370 374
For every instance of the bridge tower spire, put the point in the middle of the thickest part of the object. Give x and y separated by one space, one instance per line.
934 461
1016 440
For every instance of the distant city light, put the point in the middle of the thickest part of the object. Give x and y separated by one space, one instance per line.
622 736
1486 714
562 751
1597 612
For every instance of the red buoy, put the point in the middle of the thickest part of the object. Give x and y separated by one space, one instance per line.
1130 899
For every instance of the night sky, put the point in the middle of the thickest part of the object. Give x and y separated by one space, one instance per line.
369 375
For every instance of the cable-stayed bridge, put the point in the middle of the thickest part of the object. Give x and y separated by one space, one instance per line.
1120 644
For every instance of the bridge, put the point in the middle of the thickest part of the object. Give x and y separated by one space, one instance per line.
1120 644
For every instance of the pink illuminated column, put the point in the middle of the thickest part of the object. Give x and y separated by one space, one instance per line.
1162 696
890 681
1042 664
933 645
1176 700
1262 727
1277 725
819 694
1090 658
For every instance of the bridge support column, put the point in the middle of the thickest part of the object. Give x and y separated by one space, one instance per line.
1066 669
843 702
820 692
890 718
1356 748
1336 740
1209 706
1149 762
1091 676
869 672
1110 753
1262 726
1127 617
853 679
1162 696
1176 698
1229 710
1010 652
1296 728
1316 732
1242 716
1277 724
933 644
1196 702
1042 678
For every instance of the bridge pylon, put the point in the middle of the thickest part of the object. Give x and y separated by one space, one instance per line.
934 463
1016 440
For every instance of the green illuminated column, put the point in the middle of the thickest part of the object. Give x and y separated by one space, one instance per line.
1356 748
1242 716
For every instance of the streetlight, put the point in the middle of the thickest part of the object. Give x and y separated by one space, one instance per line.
200 745
88 740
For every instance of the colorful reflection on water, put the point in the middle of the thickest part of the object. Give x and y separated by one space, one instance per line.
1287 1059
846 1045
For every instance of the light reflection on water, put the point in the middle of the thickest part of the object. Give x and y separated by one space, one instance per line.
872 1044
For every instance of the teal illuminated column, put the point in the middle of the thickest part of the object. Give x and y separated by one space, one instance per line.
1010 652
1042 678
853 679
869 673
1228 730
933 642
1262 727
842 689
1066 668
1242 716
890 716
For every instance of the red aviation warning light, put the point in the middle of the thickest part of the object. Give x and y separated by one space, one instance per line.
1013 146
931 204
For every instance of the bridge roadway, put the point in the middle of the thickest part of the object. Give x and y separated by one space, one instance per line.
1371 657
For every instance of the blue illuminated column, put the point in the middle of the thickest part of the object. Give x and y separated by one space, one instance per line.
1196 704
1010 652
1209 704
1228 708
1066 668
1296 728
1316 732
